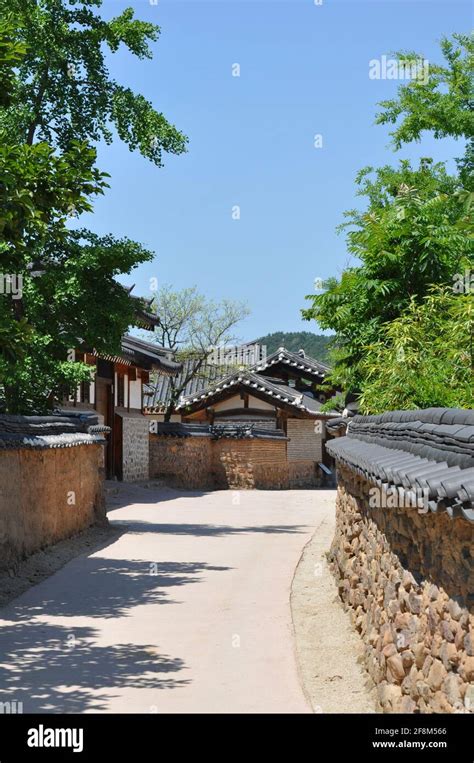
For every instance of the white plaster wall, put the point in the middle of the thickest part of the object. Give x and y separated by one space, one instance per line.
136 394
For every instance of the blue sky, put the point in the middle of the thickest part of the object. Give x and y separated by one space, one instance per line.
304 71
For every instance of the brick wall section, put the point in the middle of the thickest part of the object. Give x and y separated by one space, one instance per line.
182 461
407 579
47 495
135 448
247 464
304 443
204 463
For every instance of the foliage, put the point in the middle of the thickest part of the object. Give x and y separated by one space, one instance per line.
65 293
441 103
314 345
64 86
192 326
425 357
415 233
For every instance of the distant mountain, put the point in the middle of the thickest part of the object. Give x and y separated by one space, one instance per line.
314 345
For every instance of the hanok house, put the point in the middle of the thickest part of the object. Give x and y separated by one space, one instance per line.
278 399
115 392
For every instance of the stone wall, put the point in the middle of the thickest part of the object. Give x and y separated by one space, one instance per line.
46 495
304 442
135 448
182 461
204 463
407 579
247 464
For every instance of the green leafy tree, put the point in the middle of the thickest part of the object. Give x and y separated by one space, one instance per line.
424 358
314 345
58 286
413 233
441 103
64 91
416 230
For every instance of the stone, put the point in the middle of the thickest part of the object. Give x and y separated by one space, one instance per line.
446 631
401 620
433 592
451 688
459 640
414 603
466 669
449 655
406 705
408 581
393 607
454 609
436 675
395 670
436 643
469 644
388 695
389 650
421 690
419 651
440 704
469 698
427 665
408 659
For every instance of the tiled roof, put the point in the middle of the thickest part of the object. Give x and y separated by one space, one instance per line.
218 431
149 355
158 394
274 393
57 431
295 361
414 451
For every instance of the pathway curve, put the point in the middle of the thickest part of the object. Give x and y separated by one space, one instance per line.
188 610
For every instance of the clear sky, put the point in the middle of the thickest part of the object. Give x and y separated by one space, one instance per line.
304 70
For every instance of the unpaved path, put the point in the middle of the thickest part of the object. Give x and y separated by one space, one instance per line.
328 649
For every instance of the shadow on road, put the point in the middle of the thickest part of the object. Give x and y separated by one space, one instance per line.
139 526
52 669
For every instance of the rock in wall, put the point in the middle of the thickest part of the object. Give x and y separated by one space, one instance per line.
407 579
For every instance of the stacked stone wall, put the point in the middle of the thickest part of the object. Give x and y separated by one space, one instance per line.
407 579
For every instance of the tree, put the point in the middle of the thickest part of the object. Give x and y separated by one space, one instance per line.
192 326
442 103
58 286
65 288
64 91
413 233
416 231
425 357
315 345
